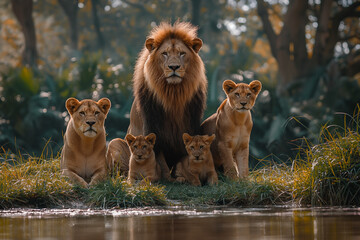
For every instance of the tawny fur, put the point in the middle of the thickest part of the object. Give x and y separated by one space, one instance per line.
117 157
232 124
143 165
83 153
169 105
198 166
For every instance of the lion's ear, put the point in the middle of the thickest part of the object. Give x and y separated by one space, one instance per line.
72 104
228 86
149 44
197 44
255 87
187 138
129 139
151 138
209 139
104 105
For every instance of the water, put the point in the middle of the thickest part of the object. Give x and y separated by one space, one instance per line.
182 223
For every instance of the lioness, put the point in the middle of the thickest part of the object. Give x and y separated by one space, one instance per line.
117 156
143 165
83 154
198 166
232 126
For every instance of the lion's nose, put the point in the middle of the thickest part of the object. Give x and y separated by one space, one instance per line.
90 123
174 67
243 103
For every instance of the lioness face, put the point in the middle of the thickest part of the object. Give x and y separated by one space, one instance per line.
88 116
141 147
173 57
197 146
242 96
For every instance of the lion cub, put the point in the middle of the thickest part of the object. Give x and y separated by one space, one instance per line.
83 154
232 126
142 160
198 166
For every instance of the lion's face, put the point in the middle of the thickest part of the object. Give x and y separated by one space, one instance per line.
88 116
141 147
198 147
242 96
173 57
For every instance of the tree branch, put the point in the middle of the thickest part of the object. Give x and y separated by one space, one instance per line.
350 11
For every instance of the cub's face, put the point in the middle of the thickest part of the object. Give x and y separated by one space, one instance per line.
141 147
173 57
198 147
242 96
88 116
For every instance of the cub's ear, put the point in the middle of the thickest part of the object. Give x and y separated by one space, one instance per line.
104 105
197 44
255 87
209 139
72 104
149 44
228 86
129 139
151 138
187 138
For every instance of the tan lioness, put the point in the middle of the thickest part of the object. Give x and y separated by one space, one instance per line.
232 124
83 154
143 165
198 166
117 156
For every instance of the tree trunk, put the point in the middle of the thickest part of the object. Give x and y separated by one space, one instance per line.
22 10
196 4
96 21
70 8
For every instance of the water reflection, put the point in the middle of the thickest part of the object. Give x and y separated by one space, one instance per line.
260 223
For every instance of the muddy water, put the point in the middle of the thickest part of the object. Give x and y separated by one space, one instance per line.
180 223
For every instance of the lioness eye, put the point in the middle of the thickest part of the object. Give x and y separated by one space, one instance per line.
201 147
164 54
143 147
237 95
97 113
248 95
192 148
182 54
82 113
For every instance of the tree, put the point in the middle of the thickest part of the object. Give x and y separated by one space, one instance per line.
71 8
22 10
290 47
96 21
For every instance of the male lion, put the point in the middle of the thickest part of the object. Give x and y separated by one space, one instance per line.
198 166
232 126
83 154
143 165
169 87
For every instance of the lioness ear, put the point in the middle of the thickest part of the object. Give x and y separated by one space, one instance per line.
149 44
151 138
187 138
210 139
228 86
129 139
72 104
255 87
104 105
197 44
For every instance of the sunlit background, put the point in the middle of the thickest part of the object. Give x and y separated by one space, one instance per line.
306 54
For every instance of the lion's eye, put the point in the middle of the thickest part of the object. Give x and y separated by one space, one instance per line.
201 146
182 54
135 147
82 113
192 147
165 54
97 113
143 147
248 95
237 95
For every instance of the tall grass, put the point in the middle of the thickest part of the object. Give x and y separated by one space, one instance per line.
327 173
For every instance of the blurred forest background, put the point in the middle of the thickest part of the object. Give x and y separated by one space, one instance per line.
306 54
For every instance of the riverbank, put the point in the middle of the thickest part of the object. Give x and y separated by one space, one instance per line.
322 175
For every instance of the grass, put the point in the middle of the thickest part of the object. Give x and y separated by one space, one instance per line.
324 174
